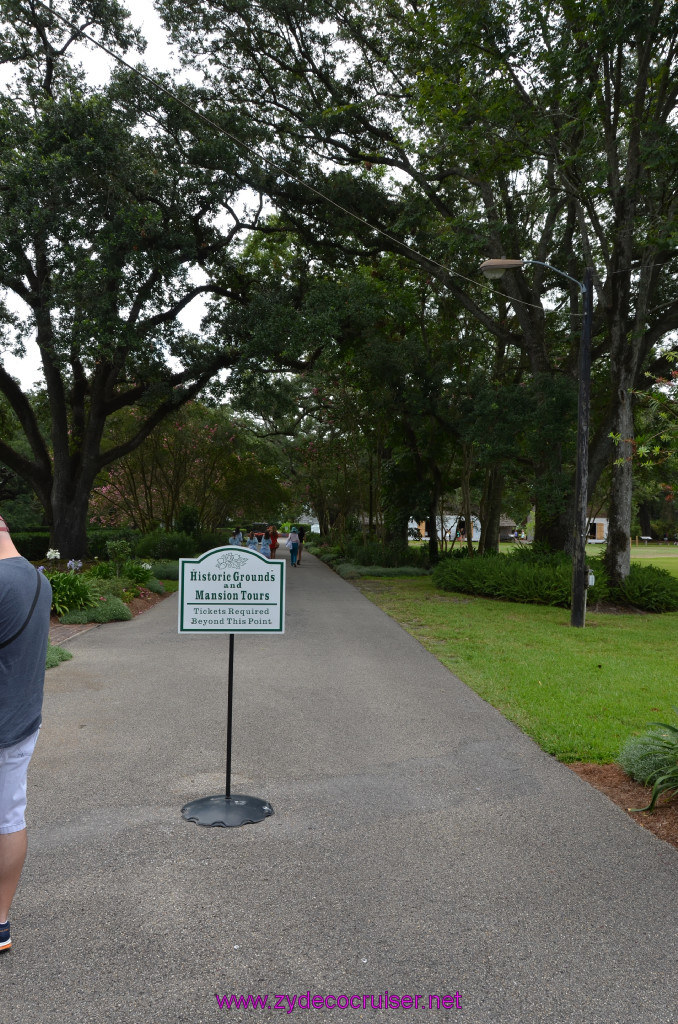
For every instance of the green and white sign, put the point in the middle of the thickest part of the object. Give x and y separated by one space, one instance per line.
231 590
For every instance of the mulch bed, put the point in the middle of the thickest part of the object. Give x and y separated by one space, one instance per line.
625 793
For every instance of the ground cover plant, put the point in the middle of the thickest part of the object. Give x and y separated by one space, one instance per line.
106 609
55 655
652 758
579 694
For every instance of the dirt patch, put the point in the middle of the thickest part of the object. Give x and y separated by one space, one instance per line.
625 793
138 605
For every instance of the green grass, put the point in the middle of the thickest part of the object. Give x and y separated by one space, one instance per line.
578 693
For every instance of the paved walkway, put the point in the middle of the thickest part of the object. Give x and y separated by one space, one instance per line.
420 843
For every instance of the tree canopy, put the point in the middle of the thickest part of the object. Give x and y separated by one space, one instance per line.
116 214
400 144
505 128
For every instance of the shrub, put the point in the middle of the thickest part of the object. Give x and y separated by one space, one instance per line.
649 588
349 571
165 570
541 580
98 539
138 572
661 744
31 543
55 655
155 586
214 539
106 586
161 545
109 609
119 552
641 758
101 571
69 591
330 555
359 551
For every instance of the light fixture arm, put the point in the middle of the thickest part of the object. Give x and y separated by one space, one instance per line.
580 284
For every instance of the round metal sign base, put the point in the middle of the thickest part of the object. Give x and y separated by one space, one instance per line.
220 812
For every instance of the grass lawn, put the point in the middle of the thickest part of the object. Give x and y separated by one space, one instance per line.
580 693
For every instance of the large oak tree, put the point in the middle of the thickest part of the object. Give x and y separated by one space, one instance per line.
117 211
507 127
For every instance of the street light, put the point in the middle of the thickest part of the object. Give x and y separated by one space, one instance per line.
493 270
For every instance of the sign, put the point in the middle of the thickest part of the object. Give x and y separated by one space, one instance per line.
231 590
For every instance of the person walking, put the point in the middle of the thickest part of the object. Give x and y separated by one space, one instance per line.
265 548
252 541
274 540
293 545
302 534
25 603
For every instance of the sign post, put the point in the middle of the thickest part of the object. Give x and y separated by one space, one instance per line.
230 590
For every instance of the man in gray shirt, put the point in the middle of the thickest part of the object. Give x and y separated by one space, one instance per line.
25 602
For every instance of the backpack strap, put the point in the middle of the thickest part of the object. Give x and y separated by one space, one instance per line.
6 643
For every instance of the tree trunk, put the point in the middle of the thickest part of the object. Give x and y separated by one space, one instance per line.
618 552
466 496
68 533
490 510
644 519
433 546
553 526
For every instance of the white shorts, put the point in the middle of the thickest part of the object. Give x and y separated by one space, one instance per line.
13 770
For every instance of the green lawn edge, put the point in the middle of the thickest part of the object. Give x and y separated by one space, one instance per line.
579 693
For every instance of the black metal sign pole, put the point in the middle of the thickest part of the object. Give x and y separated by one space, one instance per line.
229 810
229 727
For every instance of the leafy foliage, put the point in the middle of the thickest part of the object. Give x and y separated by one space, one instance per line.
649 588
660 745
162 545
643 758
533 580
166 570
349 571
197 470
466 131
69 591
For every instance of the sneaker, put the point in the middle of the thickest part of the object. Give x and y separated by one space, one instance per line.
5 941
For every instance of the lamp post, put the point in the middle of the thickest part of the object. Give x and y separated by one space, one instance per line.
493 270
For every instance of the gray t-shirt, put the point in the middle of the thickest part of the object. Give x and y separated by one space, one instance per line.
22 662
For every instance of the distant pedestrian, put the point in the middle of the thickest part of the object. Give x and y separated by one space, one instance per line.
293 545
265 548
233 539
238 535
252 541
274 540
25 602
301 533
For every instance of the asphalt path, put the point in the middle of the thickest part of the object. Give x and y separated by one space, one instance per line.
421 845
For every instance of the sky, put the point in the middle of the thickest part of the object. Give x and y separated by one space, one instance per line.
98 65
